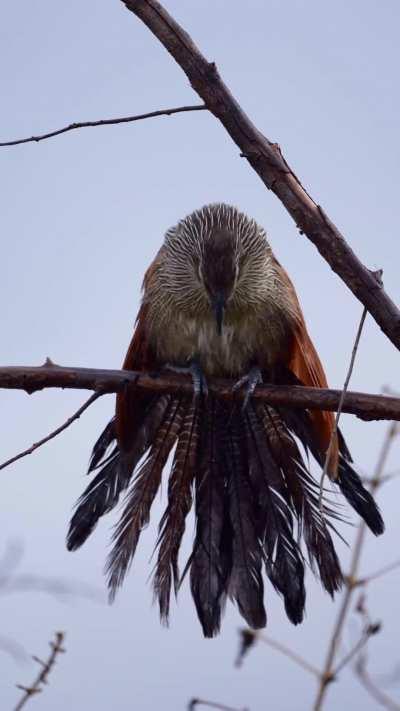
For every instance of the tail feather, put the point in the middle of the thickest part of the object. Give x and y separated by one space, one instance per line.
303 496
246 584
358 497
172 524
106 438
99 498
104 490
136 513
211 558
347 479
255 501
283 558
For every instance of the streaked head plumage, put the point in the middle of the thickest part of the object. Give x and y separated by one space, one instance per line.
216 253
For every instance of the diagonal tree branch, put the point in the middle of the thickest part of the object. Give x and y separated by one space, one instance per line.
103 122
54 433
30 379
268 162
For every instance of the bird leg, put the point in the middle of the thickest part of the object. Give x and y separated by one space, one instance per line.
250 380
196 373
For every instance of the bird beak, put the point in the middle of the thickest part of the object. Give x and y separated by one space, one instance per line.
218 305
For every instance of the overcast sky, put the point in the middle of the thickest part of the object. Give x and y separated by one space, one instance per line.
83 214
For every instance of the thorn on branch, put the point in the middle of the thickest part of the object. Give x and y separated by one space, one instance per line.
378 274
48 363
212 70
250 155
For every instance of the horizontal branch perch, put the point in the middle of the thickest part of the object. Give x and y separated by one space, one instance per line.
30 379
266 159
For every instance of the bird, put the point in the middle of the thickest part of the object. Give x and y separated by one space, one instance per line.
216 302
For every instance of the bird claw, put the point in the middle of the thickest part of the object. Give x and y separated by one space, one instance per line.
199 381
250 380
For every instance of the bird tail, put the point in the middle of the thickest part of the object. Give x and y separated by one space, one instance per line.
256 504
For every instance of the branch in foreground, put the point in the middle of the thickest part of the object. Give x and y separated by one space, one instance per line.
249 637
30 379
361 670
339 410
104 122
46 667
351 579
268 162
361 666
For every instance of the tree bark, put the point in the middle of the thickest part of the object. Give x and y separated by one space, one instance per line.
30 379
267 160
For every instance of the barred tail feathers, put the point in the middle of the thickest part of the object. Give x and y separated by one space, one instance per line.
255 499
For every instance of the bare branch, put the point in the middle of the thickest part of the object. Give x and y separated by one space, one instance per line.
104 122
351 579
267 160
46 667
249 637
368 632
339 410
380 696
193 703
55 432
300 661
361 668
30 379
379 573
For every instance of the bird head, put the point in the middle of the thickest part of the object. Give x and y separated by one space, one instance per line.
215 262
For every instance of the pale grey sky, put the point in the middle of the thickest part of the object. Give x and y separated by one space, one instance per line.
81 217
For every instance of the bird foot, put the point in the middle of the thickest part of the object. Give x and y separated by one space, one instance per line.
250 380
194 370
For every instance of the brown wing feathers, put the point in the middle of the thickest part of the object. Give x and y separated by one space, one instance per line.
303 361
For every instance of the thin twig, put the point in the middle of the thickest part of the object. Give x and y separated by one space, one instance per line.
361 665
104 122
367 481
290 654
380 696
55 432
379 573
46 667
351 580
339 410
30 379
211 704
365 636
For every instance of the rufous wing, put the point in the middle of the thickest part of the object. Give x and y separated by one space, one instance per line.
131 404
304 362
